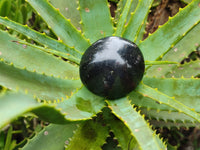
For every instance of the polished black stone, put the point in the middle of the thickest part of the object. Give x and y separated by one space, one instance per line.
112 67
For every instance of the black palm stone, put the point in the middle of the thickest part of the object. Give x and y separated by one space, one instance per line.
112 67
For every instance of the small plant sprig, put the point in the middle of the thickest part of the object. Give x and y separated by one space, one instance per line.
36 79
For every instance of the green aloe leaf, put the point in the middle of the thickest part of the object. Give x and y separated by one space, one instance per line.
118 12
60 25
146 139
170 124
81 105
53 112
140 35
90 135
20 104
62 55
57 135
120 8
186 70
171 32
162 98
169 116
8 143
40 85
147 103
137 20
68 8
34 59
40 37
17 104
186 1
123 18
96 19
177 53
159 62
185 90
5 7
121 132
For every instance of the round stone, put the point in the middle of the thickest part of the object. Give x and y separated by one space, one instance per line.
112 67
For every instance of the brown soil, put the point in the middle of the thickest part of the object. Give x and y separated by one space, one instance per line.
160 14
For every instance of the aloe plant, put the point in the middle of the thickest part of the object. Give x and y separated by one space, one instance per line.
36 79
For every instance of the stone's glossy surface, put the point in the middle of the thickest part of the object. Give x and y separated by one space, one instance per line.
112 67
